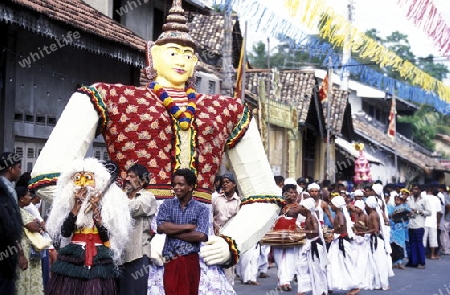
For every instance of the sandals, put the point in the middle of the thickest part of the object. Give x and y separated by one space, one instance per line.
285 287
253 283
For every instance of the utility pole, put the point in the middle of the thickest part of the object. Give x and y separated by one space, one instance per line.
268 99
347 50
329 166
227 54
244 63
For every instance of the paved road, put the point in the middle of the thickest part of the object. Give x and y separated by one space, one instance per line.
433 280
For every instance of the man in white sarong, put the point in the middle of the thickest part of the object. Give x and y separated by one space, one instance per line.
312 259
361 244
380 276
385 227
341 272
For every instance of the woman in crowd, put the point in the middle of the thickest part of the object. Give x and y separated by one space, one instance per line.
30 277
398 217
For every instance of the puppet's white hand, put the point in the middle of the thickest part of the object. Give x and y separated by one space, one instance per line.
215 251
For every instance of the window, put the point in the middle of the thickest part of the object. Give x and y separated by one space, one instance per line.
105 156
19 151
198 82
51 121
30 153
18 117
40 120
29 166
97 155
29 118
117 7
211 87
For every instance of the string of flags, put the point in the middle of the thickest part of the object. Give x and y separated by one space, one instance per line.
303 18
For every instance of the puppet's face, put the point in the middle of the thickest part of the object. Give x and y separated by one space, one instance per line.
174 64
83 179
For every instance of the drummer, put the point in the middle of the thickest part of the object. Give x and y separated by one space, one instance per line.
286 257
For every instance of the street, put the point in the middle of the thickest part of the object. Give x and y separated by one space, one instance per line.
433 280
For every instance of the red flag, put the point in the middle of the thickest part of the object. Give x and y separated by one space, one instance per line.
392 128
323 90
240 70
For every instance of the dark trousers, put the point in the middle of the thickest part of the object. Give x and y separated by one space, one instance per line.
45 264
134 277
7 285
182 275
416 248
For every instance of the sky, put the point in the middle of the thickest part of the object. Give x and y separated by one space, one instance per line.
386 16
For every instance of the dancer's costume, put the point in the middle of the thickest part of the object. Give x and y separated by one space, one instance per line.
341 271
138 125
380 259
89 263
313 259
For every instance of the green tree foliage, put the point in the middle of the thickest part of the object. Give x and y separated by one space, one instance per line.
258 57
436 70
426 124
283 56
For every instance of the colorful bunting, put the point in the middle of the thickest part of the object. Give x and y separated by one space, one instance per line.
425 15
299 27
392 127
323 91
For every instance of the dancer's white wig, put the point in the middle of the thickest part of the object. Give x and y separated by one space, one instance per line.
115 214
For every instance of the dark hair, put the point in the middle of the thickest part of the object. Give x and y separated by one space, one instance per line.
24 179
368 187
8 159
189 176
21 191
326 183
141 172
288 186
414 184
443 187
278 179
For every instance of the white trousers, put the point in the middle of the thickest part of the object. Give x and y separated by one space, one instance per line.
248 264
285 258
263 260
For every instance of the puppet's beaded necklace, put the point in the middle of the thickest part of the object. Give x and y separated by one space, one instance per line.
184 117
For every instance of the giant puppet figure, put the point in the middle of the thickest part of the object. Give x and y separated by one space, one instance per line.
165 126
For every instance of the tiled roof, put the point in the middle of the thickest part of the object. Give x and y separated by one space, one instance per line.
296 87
80 15
404 150
208 31
338 104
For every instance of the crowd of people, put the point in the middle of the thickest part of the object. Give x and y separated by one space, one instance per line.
354 237
351 239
